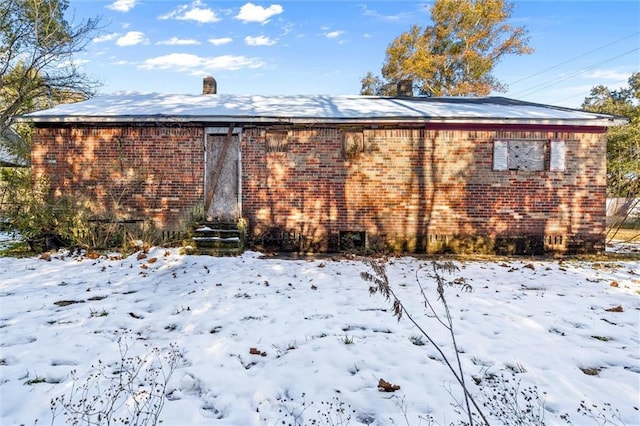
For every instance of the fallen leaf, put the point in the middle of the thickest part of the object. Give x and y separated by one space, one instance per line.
590 371
256 351
152 260
45 256
384 386
141 256
92 255
615 309
614 284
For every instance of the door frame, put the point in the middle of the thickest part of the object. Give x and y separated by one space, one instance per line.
222 131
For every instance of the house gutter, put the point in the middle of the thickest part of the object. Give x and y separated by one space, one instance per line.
602 122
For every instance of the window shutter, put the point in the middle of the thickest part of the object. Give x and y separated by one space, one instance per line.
500 155
557 161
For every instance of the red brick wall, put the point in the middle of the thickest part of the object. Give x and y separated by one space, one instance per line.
412 189
126 172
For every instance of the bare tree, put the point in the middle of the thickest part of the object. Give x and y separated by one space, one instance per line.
37 49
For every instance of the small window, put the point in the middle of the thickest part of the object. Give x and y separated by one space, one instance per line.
277 141
528 155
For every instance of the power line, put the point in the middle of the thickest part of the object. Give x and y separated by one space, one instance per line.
537 88
557 101
573 59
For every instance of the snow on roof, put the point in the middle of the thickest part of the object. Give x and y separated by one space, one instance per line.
131 106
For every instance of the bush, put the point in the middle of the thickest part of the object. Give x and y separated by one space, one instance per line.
44 222
129 392
48 222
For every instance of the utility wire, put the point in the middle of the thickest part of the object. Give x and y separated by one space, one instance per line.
557 101
537 88
573 59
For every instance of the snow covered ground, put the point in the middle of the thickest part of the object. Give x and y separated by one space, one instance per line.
262 341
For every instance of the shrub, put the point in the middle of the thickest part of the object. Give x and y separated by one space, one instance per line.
129 392
43 221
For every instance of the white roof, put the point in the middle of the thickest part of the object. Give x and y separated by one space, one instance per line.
156 107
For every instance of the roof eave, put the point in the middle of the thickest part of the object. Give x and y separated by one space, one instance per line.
601 122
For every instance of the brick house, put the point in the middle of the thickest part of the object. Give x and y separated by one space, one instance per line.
403 173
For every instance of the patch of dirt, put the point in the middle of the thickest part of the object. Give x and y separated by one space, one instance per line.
67 302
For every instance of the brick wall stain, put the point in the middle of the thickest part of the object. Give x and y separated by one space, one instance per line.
406 189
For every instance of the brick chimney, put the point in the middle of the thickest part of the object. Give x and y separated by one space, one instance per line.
405 88
209 86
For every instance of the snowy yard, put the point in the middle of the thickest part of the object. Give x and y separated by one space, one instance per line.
259 341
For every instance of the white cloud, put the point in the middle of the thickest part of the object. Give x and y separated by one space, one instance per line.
287 28
122 5
400 17
220 41
106 37
259 41
131 39
232 62
194 63
253 13
179 60
196 11
175 41
333 34
608 75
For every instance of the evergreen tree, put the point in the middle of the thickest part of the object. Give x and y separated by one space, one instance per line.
623 142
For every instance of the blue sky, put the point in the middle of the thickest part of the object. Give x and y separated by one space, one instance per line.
325 47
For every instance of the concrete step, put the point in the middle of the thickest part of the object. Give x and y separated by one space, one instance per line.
217 239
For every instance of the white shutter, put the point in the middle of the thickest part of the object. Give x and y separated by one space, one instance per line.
500 155
557 161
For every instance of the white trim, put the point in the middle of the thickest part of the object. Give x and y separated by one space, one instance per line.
500 155
310 121
557 161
